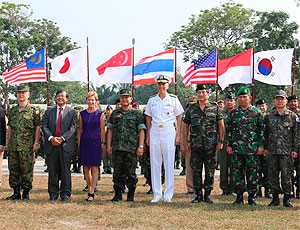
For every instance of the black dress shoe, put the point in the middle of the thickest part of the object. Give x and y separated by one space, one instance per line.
190 192
65 198
52 198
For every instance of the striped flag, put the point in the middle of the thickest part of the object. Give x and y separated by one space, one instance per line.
149 67
203 71
33 69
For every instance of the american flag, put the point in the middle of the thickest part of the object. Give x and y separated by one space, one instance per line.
202 71
33 69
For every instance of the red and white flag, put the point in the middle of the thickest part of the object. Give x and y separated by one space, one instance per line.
71 66
236 69
117 69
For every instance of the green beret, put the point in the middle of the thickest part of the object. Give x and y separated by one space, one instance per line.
125 92
23 88
243 90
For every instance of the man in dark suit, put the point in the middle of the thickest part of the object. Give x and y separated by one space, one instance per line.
59 124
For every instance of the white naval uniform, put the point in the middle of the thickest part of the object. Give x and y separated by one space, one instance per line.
162 141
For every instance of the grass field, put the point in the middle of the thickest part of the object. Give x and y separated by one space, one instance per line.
39 213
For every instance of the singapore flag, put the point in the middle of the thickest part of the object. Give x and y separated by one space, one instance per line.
71 66
117 69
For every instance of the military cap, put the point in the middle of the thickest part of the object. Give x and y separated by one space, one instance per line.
230 95
162 78
260 102
109 107
23 88
292 97
201 87
125 92
220 101
243 90
280 93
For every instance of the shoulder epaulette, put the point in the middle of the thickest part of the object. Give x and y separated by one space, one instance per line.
152 96
172 95
192 102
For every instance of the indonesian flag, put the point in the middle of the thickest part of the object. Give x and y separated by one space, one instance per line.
71 66
237 69
117 69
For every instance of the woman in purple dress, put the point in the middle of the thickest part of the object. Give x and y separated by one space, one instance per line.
91 132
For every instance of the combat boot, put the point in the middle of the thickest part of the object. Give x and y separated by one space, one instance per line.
130 194
118 195
259 193
267 193
287 201
182 172
297 193
207 198
251 200
239 198
275 201
199 196
16 195
25 195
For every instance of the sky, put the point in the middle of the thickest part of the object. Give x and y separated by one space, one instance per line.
111 25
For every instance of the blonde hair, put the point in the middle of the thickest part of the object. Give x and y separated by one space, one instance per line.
92 94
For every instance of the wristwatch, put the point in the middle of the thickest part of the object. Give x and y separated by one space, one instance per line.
141 146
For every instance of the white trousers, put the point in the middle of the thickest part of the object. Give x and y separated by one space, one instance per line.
162 149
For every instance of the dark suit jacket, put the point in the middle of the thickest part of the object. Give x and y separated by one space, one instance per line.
68 128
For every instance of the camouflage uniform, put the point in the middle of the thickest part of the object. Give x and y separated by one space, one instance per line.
125 141
245 129
296 178
23 122
203 140
281 139
107 160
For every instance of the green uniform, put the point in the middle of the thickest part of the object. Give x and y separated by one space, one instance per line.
204 140
125 141
245 129
23 123
107 161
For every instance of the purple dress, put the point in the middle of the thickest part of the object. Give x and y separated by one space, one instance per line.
90 140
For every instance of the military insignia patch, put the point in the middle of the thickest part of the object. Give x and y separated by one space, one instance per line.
297 119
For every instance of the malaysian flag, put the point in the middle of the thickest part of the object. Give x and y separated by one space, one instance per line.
33 69
202 71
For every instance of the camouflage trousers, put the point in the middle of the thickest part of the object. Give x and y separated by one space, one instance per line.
296 177
124 165
200 157
226 177
283 164
20 165
107 161
262 170
244 169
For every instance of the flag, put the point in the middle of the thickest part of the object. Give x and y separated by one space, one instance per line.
149 67
273 66
33 69
203 71
71 66
236 69
117 69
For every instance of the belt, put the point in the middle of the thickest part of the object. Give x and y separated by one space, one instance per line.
163 126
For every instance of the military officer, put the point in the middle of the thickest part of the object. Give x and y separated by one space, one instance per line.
107 160
293 104
23 141
205 121
125 141
163 114
281 143
245 129
226 178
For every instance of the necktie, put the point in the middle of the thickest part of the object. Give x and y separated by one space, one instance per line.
58 123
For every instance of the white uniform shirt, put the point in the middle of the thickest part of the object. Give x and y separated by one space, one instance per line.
163 112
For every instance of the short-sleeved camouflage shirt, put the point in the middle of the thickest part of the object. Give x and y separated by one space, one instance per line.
23 122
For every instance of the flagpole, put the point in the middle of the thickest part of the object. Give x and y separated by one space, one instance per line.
294 63
47 73
175 67
253 50
132 63
88 63
217 73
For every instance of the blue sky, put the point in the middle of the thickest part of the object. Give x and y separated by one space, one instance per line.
111 25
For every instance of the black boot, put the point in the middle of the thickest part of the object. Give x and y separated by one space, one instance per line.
297 193
259 193
239 198
267 193
207 198
182 172
118 195
130 194
150 190
287 201
251 200
199 196
16 195
275 201
25 195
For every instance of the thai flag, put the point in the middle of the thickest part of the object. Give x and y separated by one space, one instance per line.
149 67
